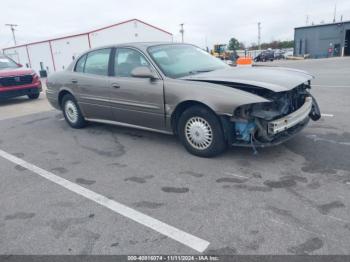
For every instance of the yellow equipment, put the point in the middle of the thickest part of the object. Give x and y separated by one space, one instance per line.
220 51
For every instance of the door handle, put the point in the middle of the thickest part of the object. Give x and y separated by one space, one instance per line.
74 81
115 85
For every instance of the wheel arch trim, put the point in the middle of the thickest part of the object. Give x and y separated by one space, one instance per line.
61 93
181 107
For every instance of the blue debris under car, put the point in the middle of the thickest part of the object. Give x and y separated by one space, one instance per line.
244 130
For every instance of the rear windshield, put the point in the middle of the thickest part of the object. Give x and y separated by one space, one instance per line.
7 63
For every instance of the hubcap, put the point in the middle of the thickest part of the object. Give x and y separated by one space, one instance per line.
198 133
71 111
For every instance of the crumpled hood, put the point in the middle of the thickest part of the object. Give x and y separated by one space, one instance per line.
277 79
15 71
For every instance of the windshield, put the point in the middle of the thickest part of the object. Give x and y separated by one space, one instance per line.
182 60
7 63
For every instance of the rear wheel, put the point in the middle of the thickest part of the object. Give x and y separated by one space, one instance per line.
72 113
34 96
200 132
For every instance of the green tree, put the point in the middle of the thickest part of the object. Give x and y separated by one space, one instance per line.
274 45
241 46
233 44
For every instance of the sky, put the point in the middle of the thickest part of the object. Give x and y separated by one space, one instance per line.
206 22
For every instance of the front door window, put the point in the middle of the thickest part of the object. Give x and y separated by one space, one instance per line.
126 60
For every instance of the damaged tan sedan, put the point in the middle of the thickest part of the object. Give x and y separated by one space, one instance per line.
181 89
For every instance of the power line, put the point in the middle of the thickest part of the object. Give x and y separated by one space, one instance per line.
12 28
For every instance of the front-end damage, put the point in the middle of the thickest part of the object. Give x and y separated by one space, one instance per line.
286 108
273 122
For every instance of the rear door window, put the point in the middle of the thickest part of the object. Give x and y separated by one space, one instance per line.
79 67
97 62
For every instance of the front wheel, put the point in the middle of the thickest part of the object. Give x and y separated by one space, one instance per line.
200 132
72 113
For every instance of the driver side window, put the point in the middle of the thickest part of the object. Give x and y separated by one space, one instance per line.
126 60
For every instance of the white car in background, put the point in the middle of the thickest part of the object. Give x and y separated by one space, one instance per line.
288 54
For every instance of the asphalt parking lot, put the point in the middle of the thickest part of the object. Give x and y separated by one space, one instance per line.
289 199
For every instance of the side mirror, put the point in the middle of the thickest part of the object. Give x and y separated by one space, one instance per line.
20 65
143 72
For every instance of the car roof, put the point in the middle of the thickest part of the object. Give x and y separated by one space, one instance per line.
140 45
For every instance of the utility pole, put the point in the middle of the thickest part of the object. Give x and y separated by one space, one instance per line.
259 35
307 19
335 12
182 31
12 27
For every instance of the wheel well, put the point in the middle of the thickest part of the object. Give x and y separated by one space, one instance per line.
180 108
61 95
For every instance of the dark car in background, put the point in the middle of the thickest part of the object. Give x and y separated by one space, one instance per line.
267 55
17 81
278 54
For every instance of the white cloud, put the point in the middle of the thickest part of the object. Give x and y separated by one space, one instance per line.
205 20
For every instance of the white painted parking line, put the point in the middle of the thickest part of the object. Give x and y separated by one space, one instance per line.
187 239
298 227
338 219
228 173
341 86
327 115
317 138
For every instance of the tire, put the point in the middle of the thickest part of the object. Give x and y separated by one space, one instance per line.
72 113
34 96
200 132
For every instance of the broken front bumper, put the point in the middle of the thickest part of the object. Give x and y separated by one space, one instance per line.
262 133
286 122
